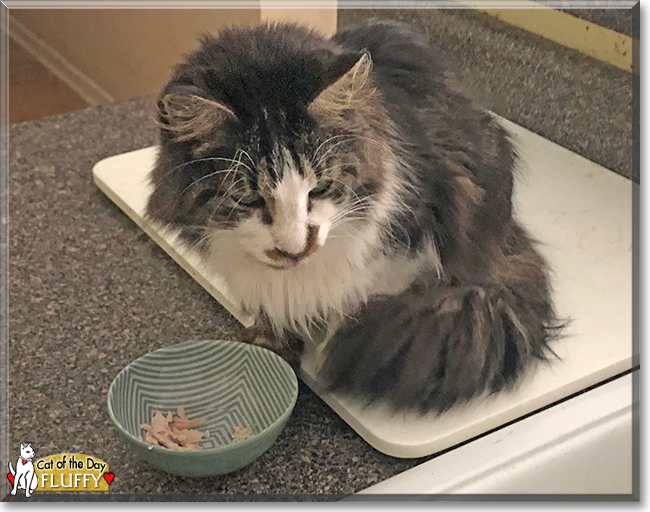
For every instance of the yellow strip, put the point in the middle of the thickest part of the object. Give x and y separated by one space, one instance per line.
599 42
71 472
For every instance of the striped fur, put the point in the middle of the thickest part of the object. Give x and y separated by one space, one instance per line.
343 184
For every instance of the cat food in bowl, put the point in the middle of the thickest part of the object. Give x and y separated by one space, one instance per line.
204 407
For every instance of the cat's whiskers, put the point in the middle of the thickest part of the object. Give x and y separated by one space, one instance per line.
226 195
329 139
389 232
202 240
346 220
399 204
359 204
330 149
352 207
233 169
209 229
349 211
343 218
196 161
250 159
346 185
380 144
340 181
347 139
340 166
235 206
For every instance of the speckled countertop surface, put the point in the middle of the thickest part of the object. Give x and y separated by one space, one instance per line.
89 293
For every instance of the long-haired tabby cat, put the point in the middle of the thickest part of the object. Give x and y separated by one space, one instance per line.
344 183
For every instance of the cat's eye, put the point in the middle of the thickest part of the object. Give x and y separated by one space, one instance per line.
323 187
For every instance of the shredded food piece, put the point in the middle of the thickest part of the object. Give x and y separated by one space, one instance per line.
174 432
240 434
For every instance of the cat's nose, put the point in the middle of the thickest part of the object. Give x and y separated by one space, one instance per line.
282 259
286 254
279 255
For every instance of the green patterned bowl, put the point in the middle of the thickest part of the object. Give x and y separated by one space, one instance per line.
227 383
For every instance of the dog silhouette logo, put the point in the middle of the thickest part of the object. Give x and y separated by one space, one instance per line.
24 476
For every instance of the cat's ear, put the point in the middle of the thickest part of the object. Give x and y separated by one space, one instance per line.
334 66
349 82
21 446
190 116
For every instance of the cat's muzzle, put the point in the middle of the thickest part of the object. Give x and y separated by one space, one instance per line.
283 260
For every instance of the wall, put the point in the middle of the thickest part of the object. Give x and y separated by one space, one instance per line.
115 54
323 20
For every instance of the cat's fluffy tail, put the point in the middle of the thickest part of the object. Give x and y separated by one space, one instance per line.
11 469
434 346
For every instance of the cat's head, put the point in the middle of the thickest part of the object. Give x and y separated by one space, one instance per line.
27 452
274 134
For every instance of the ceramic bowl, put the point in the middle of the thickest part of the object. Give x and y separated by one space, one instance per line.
228 384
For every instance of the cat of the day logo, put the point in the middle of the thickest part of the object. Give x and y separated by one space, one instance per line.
67 472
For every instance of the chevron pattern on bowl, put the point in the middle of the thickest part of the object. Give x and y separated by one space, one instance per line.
228 384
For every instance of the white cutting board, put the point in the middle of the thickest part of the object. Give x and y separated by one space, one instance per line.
581 212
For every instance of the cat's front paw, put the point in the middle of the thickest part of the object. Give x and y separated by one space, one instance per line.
255 336
248 334
13 492
265 342
290 352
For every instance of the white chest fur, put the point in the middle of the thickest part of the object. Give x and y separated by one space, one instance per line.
344 273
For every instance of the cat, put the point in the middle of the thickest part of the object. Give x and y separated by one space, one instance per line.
343 185
24 475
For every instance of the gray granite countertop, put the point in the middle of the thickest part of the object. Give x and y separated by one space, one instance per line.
89 293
